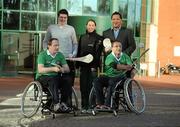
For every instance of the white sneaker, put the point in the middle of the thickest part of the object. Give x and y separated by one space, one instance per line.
56 107
83 111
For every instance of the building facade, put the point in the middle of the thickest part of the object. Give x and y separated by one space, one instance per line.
24 23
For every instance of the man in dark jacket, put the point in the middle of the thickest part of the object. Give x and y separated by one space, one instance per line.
120 34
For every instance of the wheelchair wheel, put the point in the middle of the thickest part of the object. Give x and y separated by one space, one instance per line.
92 98
134 96
31 99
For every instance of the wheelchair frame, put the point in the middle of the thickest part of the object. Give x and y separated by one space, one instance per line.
34 97
128 94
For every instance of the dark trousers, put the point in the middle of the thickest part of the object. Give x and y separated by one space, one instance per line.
52 84
69 81
56 83
109 83
86 79
71 74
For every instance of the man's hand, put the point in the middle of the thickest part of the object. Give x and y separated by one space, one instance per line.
128 67
58 69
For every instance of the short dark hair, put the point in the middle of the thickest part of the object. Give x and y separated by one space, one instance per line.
92 20
116 13
112 43
52 39
63 11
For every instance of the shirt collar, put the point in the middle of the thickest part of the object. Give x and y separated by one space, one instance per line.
116 57
116 28
48 53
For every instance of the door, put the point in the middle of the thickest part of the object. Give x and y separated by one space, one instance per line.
29 48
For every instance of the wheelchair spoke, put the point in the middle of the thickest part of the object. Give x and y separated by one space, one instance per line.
135 96
31 99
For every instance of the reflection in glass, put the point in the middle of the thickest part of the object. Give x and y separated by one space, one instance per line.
123 8
28 21
10 43
137 29
131 14
29 5
104 7
11 20
12 4
74 7
137 19
90 7
26 51
9 54
120 6
44 22
47 5
124 24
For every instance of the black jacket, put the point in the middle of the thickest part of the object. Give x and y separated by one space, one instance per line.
90 43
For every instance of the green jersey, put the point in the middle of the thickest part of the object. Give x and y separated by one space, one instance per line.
48 61
111 61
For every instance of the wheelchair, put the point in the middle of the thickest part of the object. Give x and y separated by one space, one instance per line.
36 97
128 94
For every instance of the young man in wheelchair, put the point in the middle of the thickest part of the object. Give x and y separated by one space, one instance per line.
51 65
118 65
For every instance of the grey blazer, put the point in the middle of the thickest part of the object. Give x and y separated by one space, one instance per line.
126 38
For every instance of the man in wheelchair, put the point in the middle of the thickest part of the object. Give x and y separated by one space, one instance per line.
51 70
118 65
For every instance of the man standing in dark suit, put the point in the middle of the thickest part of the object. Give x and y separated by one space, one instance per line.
120 34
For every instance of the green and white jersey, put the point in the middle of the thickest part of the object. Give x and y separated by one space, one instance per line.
111 61
47 60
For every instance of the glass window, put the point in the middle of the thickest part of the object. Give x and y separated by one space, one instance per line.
137 19
104 7
29 5
11 20
124 24
86 7
44 22
10 44
26 51
123 9
9 53
90 7
29 21
131 14
11 4
47 5
137 29
74 7
121 6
